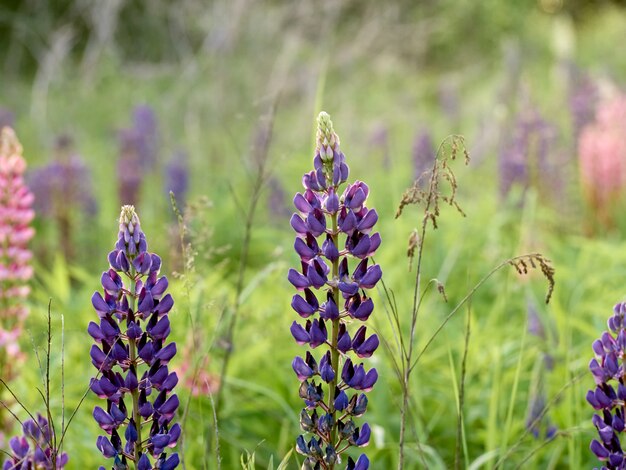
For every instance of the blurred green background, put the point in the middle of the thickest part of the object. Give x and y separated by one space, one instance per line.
387 72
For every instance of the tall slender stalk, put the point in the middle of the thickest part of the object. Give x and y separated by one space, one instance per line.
260 154
431 198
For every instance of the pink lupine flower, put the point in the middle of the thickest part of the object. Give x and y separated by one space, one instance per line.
602 156
15 232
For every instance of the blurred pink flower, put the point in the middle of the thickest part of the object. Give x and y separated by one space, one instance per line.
16 215
195 376
602 157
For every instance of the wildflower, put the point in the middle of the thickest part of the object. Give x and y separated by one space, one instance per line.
146 126
424 154
334 241
7 118
138 153
63 192
276 201
610 392
177 177
378 143
35 449
132 355
524 159
583 97
16 215
129 171
602 157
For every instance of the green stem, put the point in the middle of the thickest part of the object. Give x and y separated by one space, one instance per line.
334 352
133 361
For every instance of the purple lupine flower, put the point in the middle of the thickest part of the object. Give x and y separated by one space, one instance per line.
537 423
138 153
583 99
35 449
524 159
132 355
7 118
145 124
276 201
610 392
334 241
129 171
16 214
177 177
379 143
60 188
449 99
424 154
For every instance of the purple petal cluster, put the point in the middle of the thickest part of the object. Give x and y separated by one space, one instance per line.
278 207
177 177
132 355
583 97
138 153
609 395
335 240
62 185
7 118
424 154
35 449
524 159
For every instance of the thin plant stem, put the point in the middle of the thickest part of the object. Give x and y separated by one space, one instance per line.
470 294
182 231
257 186
334 351
407 356
53 436
555 399
62 374
460 420
218 457
133 360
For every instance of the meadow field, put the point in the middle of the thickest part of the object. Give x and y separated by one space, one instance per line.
520 107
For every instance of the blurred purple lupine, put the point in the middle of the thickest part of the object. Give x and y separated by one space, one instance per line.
138 153
177 177
610 393
524 160
379 143
332 386
129 172
59 188
132 355
538 423
7 118
277 200
583 98
145 124
424 154
35 449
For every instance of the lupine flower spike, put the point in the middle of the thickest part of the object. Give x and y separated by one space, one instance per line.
16 215
334 241
132 355
63 193
602 158
610 392
34 450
